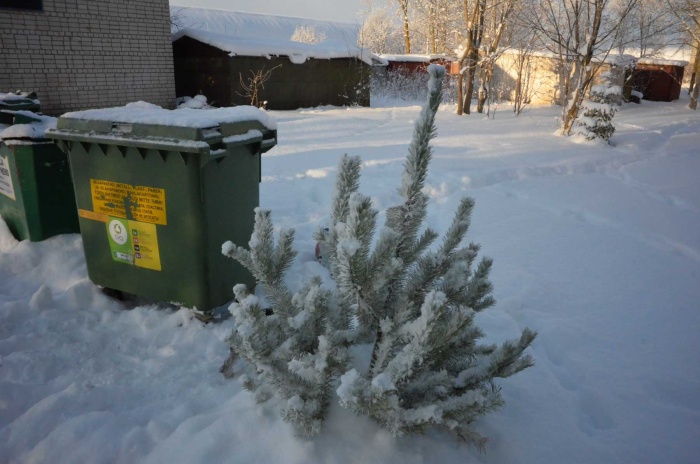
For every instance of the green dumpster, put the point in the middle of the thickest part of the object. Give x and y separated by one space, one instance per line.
18 101
159 191
36 192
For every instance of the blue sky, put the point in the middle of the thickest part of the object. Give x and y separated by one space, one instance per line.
335 10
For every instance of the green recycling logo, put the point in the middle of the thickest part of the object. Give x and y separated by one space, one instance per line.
120 241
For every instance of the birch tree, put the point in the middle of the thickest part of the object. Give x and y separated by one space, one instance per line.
485 22
403 6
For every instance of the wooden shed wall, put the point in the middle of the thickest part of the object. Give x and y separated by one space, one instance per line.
659 82
202 68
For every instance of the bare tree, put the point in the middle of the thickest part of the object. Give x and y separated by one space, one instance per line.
579 32
688 14
647 29
499 15
474 15
254 84
521 42
432 22
379 33
176 19
485 23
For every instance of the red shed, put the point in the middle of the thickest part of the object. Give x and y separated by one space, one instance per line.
659 80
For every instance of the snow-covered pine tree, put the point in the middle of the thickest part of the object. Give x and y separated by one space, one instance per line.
416 305
595 120
297 351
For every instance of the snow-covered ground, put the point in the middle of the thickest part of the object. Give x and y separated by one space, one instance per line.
597 248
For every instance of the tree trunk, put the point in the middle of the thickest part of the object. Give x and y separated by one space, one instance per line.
460 91
484 87
570 117
471 73
406 34
695 69
469 91
693 105
571 112
431 30
375 349
481 98
519 97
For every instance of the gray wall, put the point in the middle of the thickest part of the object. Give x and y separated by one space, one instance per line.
79 54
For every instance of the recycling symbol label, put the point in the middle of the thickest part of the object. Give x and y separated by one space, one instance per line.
118 232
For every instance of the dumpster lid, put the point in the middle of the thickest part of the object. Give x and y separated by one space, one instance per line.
188 129
27 126
18 100
147 113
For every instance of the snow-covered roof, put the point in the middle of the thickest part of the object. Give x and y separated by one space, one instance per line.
621 59
262 26
253 34
537 53
297 52
147 113
417 58
663 62
610 58
617 59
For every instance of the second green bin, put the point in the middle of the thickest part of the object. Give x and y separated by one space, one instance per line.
36 193
159 191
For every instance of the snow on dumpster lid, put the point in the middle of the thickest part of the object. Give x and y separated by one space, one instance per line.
147 113
145 125
14 98
32 130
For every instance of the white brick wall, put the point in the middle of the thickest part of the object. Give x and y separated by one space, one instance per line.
79 54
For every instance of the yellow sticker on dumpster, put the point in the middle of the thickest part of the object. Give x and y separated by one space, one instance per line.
145 241
83 213
134 243
132 202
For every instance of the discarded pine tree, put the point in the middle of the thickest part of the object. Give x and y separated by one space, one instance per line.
414 303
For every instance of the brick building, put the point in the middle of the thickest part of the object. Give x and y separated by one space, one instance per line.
79 54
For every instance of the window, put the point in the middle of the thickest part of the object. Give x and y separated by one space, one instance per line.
21 4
